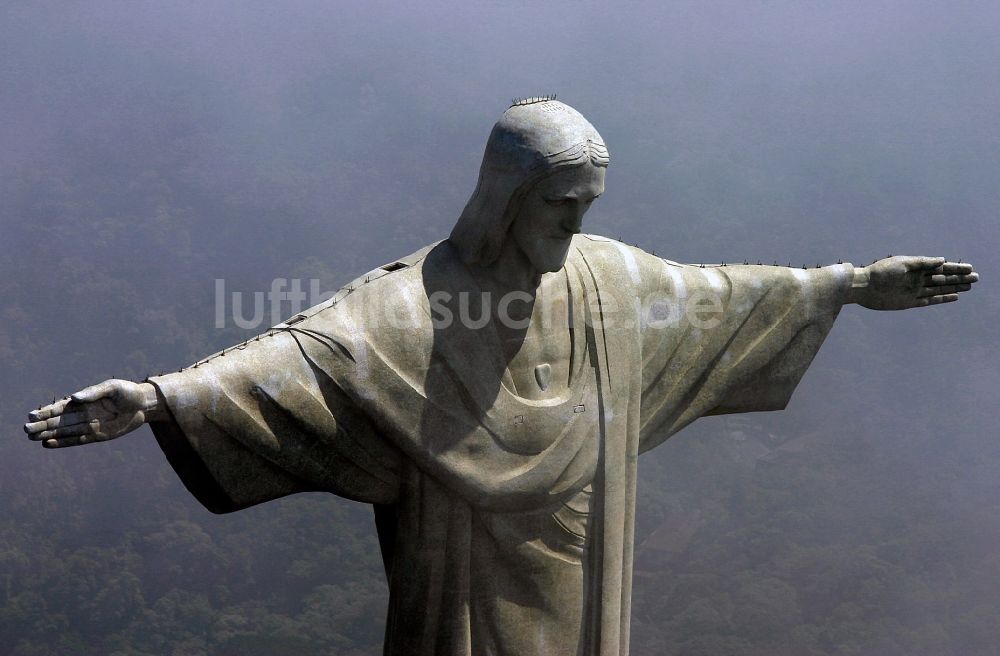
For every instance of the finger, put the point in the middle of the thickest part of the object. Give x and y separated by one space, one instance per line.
954 279
94 392
956 267
921 263
939 290
68 431
935 300
62 442
50 424
50 410
35 427
959 277
65 419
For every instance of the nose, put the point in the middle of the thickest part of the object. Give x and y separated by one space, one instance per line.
573 221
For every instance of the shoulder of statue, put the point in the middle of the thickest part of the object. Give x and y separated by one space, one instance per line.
597 243
641 267
380 284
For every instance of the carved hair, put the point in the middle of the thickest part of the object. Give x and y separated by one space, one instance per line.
530 142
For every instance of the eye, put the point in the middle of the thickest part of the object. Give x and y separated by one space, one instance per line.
556 202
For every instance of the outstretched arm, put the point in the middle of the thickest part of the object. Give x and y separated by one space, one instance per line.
254 425
903 282
96 414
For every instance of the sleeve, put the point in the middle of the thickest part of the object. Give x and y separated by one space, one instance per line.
731 339
257 422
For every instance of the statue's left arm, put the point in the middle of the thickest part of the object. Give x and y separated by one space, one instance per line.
740 338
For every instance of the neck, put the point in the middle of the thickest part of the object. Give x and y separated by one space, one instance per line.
512 271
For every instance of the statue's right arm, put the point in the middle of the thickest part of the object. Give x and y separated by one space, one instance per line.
96 414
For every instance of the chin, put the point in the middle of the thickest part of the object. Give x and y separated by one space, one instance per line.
550 255
551 265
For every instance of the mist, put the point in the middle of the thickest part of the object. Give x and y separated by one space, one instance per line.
150 149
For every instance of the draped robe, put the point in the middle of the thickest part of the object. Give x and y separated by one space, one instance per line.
506 523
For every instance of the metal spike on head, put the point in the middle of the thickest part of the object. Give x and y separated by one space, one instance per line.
531 100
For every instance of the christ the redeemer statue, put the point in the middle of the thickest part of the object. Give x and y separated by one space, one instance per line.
490 395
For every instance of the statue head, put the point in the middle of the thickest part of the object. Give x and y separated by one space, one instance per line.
544 163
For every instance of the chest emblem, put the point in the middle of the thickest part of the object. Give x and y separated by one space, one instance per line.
543 376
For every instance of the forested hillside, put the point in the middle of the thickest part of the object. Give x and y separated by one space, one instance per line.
148 151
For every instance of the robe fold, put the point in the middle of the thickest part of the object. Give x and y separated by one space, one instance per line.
506 523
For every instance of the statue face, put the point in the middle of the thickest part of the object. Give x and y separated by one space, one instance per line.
552 212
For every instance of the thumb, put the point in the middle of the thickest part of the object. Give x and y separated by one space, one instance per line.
95 392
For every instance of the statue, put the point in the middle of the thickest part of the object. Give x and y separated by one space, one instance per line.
490 395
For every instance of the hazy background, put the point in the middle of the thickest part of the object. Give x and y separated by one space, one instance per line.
147 149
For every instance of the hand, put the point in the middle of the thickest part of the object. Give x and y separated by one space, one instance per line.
94 414
902 282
